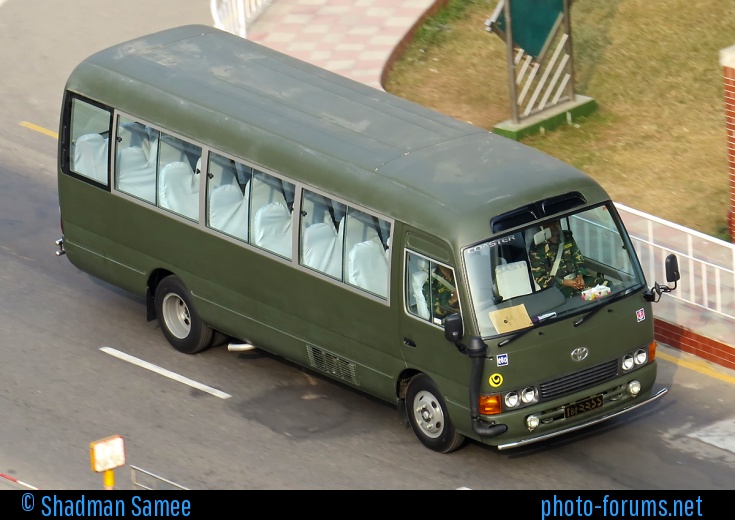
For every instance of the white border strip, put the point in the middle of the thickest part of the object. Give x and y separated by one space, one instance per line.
727 56
166 373
3 475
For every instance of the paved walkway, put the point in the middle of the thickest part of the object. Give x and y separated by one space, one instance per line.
354 38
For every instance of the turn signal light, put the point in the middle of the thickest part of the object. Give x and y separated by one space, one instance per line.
490 404
652 351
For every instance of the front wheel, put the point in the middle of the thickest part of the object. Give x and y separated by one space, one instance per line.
180 322
428 416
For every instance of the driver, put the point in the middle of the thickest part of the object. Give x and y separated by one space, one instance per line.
559 262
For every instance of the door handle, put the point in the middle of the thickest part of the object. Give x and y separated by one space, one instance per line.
409 342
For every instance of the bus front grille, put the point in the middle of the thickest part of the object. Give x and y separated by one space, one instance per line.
331 364
579 380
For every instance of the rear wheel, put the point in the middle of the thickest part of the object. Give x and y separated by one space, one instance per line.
218 338
428 416
180 322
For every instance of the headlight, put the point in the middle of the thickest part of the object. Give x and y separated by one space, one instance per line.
640 356
511 399
532 422
634 387
528 395
628 362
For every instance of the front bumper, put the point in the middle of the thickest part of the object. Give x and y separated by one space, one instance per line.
636 403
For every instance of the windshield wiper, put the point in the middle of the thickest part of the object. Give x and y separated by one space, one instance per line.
547 316
515 336
601 305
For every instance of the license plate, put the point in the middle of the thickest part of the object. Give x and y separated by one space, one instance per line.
585 405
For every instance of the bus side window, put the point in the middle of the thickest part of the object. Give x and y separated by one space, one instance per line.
221 171
228 194
134 173
270 219
430 289
90 130
178 183
170 149
367 249
321 236
359 228
344 243
91 157
417 272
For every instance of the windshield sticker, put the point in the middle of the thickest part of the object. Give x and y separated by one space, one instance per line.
502 360
495 380
640 314
510 318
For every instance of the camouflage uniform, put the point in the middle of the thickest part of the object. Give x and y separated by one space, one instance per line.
440 295
543 257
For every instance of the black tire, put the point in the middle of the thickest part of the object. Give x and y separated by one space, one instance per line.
429 418
218 338
180 322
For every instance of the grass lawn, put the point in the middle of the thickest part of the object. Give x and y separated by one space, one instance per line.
656 143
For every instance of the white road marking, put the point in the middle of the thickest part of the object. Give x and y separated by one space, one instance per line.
166 373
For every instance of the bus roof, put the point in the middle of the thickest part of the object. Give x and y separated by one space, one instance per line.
417 165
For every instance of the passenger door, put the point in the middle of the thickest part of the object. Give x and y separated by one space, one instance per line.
422 339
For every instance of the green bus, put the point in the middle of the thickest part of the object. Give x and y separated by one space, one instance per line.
257 200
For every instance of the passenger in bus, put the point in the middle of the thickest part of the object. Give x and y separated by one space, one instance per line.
557 261
443 292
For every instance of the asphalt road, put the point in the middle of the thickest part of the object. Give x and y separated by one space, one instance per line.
257 422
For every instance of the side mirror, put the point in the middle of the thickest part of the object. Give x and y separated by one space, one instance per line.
453 331
672 275
672 269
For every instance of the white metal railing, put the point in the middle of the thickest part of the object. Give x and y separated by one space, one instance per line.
234 16
706 264
158 480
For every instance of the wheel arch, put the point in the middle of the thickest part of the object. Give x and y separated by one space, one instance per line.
153 280
404 378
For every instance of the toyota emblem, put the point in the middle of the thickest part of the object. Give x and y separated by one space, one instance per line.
580 353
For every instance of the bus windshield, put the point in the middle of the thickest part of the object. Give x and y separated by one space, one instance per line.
550 270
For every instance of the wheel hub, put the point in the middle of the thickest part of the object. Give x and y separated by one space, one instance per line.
428 414
176 315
